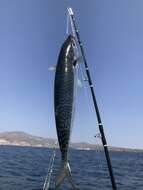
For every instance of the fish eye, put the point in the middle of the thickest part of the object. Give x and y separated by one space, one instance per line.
74 44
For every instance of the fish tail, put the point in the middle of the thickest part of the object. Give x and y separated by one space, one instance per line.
65 171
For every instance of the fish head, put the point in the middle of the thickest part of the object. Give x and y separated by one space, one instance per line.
69 48
70 40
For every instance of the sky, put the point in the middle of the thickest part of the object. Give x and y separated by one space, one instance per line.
31 34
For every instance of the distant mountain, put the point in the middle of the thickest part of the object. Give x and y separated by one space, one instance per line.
19 138
24 139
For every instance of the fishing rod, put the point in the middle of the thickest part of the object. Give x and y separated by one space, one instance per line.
50 170
101 129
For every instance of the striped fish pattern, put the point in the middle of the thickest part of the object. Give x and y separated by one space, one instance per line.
63 104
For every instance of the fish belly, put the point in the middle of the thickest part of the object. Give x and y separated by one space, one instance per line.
64 87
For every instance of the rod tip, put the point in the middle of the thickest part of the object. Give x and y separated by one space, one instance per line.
70 11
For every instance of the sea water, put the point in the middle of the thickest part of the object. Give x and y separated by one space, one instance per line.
25 168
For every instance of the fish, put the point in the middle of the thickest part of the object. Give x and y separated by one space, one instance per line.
64 105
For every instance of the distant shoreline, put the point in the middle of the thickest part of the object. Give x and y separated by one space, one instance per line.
111 149
22 139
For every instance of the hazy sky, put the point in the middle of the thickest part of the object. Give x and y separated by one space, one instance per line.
31 34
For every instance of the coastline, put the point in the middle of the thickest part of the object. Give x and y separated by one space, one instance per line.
22 139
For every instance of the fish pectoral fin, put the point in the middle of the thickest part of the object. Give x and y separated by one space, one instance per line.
79 83
52 68
65 171
78 60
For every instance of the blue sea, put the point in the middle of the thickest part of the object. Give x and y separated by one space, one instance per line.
25 168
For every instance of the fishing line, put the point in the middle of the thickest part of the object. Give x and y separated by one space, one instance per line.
80 71
97 136
90 110
67 28
97 140
70 25
50 168
81 74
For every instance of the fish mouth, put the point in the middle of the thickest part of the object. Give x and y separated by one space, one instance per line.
72 40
